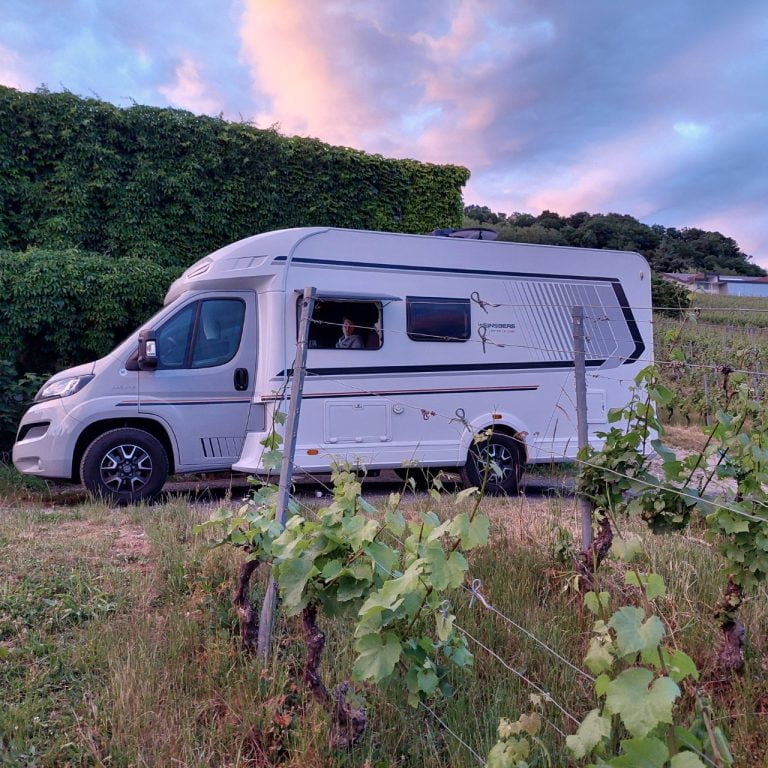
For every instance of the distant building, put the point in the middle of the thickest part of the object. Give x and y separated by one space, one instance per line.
720 285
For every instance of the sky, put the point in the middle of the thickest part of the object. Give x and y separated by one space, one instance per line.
657 109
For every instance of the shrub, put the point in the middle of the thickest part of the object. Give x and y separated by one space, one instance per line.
62 308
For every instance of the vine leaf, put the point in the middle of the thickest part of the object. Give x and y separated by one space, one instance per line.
427 681
293 576
626 550
633 635
599 657
652 582
640 701
686 760
597 601
509 753
385 558
641 753
444 625
593 729
678 663
395 521
378 655
472 533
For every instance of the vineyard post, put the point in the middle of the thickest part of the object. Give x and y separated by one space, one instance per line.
706 398
580 371
267 618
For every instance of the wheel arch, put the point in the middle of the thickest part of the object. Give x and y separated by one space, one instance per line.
92 431
519 436
502 427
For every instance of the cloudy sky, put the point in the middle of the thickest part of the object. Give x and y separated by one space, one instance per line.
658 109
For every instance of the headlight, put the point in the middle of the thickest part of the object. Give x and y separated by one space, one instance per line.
62 387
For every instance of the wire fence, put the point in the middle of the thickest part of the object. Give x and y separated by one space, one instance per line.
461 424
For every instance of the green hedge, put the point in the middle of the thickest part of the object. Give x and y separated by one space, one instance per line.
168 186
61 308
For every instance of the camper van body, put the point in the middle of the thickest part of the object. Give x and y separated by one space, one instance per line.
455 336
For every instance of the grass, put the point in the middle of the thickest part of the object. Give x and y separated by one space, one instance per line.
14 485
118 647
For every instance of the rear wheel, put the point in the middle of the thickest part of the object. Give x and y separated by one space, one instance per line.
497 462
125 466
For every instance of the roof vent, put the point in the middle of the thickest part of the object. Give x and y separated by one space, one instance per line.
468 233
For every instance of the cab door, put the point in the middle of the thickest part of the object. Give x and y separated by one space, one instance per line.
202 386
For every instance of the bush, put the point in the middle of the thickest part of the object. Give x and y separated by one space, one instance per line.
166 185
16 393
668 298
62 308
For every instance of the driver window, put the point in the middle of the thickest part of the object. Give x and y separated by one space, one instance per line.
173 338
218 332
202 335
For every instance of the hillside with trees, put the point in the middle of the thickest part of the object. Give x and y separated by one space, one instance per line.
666 248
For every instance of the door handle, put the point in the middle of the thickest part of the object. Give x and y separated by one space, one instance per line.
241 379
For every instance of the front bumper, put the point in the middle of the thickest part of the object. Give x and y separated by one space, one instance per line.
45 441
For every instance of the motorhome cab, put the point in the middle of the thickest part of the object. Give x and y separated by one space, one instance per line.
416 345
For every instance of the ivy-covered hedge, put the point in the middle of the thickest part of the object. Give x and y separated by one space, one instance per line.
168 186
61 308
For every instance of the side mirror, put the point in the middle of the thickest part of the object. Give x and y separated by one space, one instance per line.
147 350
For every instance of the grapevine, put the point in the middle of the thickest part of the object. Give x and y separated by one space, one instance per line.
392 576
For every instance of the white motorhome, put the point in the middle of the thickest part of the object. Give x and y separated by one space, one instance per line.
416 345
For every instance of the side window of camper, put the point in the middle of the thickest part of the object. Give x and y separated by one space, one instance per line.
201 335
431 318
345 324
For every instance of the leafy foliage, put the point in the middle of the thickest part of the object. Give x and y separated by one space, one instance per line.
669 298
68 307
618 481
517 740
640 683
638 686
16 393
165 185
353 564
666 248
62 308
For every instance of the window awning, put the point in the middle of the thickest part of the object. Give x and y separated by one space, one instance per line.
346 296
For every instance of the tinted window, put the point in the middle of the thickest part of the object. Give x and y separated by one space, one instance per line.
219 328
202 335
173 338
437 319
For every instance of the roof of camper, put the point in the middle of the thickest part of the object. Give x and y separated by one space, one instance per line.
283 241
260 254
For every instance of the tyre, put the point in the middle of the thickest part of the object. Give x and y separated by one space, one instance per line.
125 466
502 477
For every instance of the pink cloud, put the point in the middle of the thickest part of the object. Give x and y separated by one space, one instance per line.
748 220
190 91
12 73
296 58
323 73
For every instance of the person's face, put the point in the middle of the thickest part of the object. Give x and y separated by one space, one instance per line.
347 328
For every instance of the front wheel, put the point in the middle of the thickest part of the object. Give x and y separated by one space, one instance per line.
496 462
125 466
